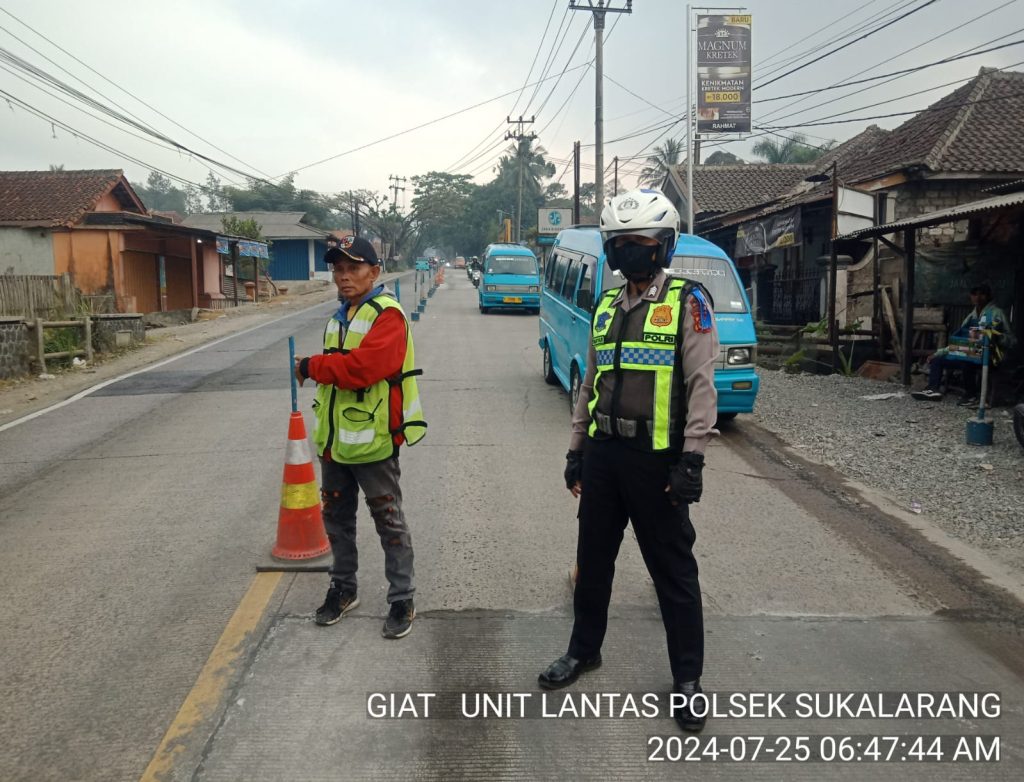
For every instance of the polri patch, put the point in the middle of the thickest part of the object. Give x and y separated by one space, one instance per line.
701 312
602 321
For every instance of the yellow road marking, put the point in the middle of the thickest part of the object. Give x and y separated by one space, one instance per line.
213 679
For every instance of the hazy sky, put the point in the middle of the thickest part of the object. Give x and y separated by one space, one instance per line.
281 85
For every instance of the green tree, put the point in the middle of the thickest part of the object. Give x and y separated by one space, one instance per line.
56 166
160 194
247 228
723 158
283 196
656 166
216 200
791 149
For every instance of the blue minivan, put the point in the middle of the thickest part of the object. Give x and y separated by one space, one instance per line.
577 274
510 278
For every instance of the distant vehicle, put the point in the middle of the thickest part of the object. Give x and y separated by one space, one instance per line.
511 279
475 277
460 262
576 276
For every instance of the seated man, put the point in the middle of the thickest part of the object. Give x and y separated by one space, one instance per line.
985 315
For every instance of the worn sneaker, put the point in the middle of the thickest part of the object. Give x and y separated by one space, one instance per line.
928 394
968 401
337 603
399 621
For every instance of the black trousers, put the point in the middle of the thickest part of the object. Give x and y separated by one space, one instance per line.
621 484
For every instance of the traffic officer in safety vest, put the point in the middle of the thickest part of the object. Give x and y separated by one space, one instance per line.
646 410
367 405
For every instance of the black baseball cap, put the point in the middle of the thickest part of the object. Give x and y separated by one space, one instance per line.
352 248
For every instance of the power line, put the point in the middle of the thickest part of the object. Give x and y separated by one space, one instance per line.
53 121
122 89
954 28
903 72
847 44
414 128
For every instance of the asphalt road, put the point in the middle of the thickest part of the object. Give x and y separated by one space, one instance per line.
138 639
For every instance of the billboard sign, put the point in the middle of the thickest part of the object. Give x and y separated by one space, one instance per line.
723 74
551 220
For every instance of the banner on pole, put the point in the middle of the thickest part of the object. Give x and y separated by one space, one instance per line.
723 74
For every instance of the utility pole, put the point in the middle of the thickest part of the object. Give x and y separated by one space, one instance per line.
355 214
599 8
394 188
576 183
833 330
615 183
519 137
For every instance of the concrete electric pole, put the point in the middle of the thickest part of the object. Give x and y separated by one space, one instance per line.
599 8
520 137
394 188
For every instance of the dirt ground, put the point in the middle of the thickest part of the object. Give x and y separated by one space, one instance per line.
23 396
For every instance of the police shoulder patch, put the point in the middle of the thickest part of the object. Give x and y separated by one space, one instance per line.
602 321
700 312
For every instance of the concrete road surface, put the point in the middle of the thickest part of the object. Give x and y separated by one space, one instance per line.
139 642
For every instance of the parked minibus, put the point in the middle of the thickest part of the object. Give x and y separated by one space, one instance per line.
576 275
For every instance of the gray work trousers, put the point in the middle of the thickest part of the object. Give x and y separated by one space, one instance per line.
340 487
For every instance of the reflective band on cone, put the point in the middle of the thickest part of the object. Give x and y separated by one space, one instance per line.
300 526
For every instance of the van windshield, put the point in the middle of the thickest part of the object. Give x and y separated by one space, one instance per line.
511 264
715 274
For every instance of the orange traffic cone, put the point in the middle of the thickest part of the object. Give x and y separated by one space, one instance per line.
300 527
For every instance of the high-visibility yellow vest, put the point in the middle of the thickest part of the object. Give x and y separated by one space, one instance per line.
354 425
650 349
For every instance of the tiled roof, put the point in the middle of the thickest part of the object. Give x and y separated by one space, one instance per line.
728 188
52 198
275 225
974 129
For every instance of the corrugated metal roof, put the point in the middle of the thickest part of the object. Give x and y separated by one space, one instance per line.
942 216
275 225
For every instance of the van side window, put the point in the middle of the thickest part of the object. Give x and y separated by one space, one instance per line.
571 278
585 295
549 269
558 273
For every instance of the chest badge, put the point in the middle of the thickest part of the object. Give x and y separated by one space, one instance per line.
662 315
602 321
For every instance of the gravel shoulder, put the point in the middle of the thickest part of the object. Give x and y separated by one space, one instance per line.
26 395
912 452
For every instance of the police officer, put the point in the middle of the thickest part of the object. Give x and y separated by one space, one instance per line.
646 410
367 405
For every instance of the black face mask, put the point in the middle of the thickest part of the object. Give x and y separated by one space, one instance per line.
637 261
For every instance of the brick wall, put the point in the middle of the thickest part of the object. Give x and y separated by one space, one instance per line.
920 198
106 327
14 348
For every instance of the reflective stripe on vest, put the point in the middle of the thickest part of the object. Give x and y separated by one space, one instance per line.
656 352
355 425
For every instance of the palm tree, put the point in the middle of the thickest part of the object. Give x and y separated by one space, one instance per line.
522 168
665 157
790 149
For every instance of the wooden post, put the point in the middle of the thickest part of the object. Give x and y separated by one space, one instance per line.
234 269
40 346
909 246
195 274
87 328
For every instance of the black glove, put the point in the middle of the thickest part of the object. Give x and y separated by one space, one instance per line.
573 468
684 479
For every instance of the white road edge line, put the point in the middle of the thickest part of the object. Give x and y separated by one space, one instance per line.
111 381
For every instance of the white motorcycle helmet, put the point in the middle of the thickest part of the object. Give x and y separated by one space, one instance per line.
640 213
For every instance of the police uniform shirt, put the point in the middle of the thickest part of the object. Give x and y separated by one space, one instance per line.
699 353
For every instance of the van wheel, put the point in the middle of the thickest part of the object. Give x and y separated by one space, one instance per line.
574 388
549 371
724 418
483 310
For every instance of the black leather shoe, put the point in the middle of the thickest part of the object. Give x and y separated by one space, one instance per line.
565 670
684 716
